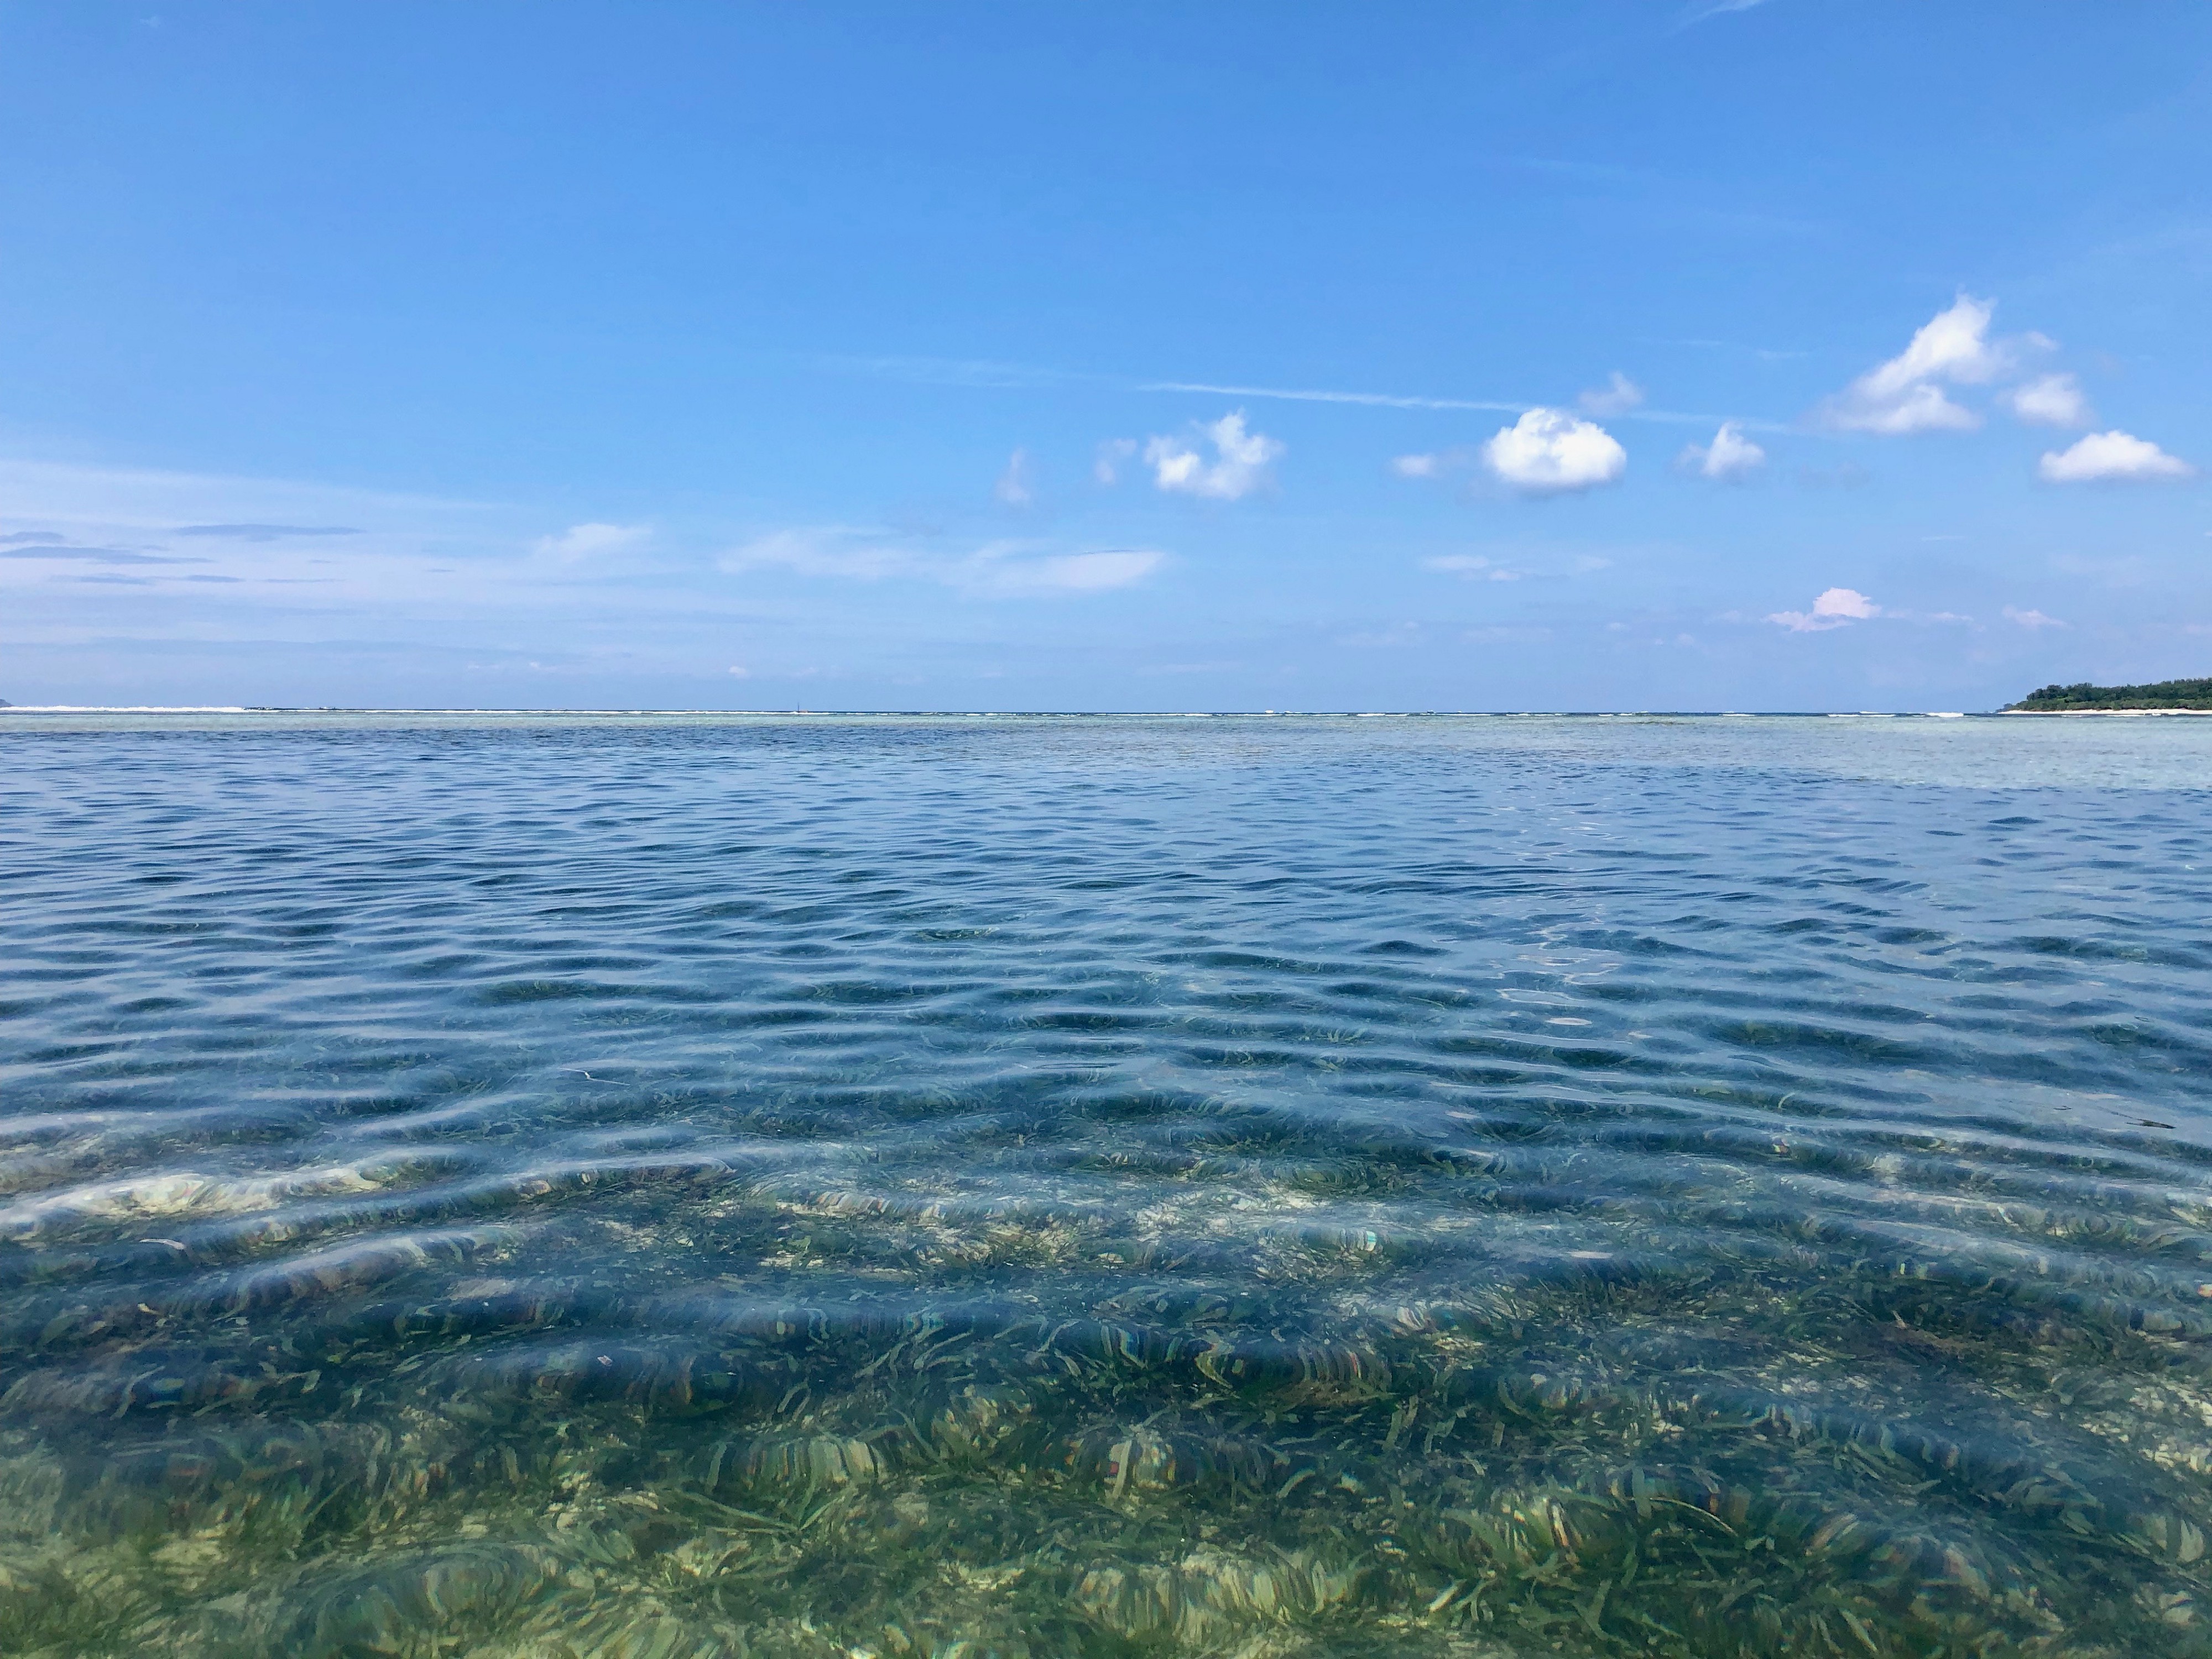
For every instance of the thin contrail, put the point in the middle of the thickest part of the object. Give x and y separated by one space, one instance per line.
1376 399
1393 400
1012 375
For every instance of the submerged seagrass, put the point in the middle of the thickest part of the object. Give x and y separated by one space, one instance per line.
926 1187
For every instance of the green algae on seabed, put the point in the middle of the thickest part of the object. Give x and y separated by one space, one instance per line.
1607 1457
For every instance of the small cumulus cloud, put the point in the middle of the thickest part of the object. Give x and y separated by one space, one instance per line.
738 670
1836 608
2031 620
1113 455
1417 466
1016 485
1905 394
2112 458
1729 459
2049 400
1240 464
1616 397
1548 452
591 541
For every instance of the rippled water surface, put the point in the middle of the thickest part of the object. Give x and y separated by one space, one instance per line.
658 1186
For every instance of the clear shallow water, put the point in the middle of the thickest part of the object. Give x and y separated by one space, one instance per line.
1037 1186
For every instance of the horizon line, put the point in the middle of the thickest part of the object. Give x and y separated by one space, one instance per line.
1062 713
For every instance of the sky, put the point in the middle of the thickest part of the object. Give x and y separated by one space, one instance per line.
1718 355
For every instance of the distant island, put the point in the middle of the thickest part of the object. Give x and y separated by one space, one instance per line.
2087 699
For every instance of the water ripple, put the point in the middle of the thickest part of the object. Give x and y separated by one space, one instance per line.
673 1186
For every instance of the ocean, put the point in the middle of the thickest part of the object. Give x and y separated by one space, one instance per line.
658 1185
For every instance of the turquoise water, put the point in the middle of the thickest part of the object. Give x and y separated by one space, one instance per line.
830 1187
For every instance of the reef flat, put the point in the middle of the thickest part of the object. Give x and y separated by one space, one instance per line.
818 1187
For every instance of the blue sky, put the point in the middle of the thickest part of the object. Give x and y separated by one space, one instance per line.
1771 355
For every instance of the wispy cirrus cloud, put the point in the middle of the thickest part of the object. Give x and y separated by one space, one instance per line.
1004 569
264 532
56 547
1700 10
1041 575
591 541
1471 566
1113 455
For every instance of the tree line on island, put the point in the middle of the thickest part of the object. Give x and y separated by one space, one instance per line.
2084 696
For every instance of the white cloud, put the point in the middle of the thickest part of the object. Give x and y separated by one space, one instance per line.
829 551
1112 454
1729 459
1903 395
1438 464
1951 345
591 541
1396 635
738 670
1240 465
1472 566
1922 408
2111 458
1547 452
1833 609
2051 400
2031 620
1616 397
1058 573
997 570
1016 485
